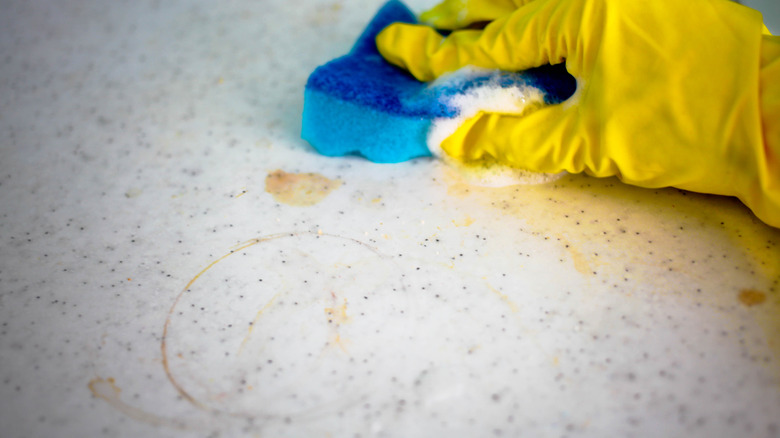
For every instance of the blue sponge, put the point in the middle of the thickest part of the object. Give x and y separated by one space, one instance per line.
360 104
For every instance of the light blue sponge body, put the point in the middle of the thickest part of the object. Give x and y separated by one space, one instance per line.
360 104
361 130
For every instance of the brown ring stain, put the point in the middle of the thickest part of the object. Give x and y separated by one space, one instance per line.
164 342
108 391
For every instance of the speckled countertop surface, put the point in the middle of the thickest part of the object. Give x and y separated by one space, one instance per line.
175 261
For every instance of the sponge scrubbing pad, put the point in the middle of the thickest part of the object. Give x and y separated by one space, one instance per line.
361 105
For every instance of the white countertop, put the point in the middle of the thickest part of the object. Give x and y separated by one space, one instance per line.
150 285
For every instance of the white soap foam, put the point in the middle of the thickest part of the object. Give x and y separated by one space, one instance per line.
493 98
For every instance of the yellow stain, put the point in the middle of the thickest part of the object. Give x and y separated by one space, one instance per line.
464 222
254 321
580 261
512 306
611 226
337 315
341 343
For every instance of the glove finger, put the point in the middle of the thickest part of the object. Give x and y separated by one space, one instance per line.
457 14
412 47
538 33
546 140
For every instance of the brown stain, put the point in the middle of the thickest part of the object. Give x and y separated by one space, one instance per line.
299 189
105 389
108 391
751 297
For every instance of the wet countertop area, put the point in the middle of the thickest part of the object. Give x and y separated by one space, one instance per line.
176 262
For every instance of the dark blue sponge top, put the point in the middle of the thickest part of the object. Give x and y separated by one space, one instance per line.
364 77
361 104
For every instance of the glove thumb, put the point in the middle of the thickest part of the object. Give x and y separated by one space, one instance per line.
547 140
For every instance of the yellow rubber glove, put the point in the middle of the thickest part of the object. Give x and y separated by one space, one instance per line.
670 93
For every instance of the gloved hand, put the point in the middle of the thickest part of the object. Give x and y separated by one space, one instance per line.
670 93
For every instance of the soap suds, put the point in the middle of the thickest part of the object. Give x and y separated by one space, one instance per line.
488 173
493 97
